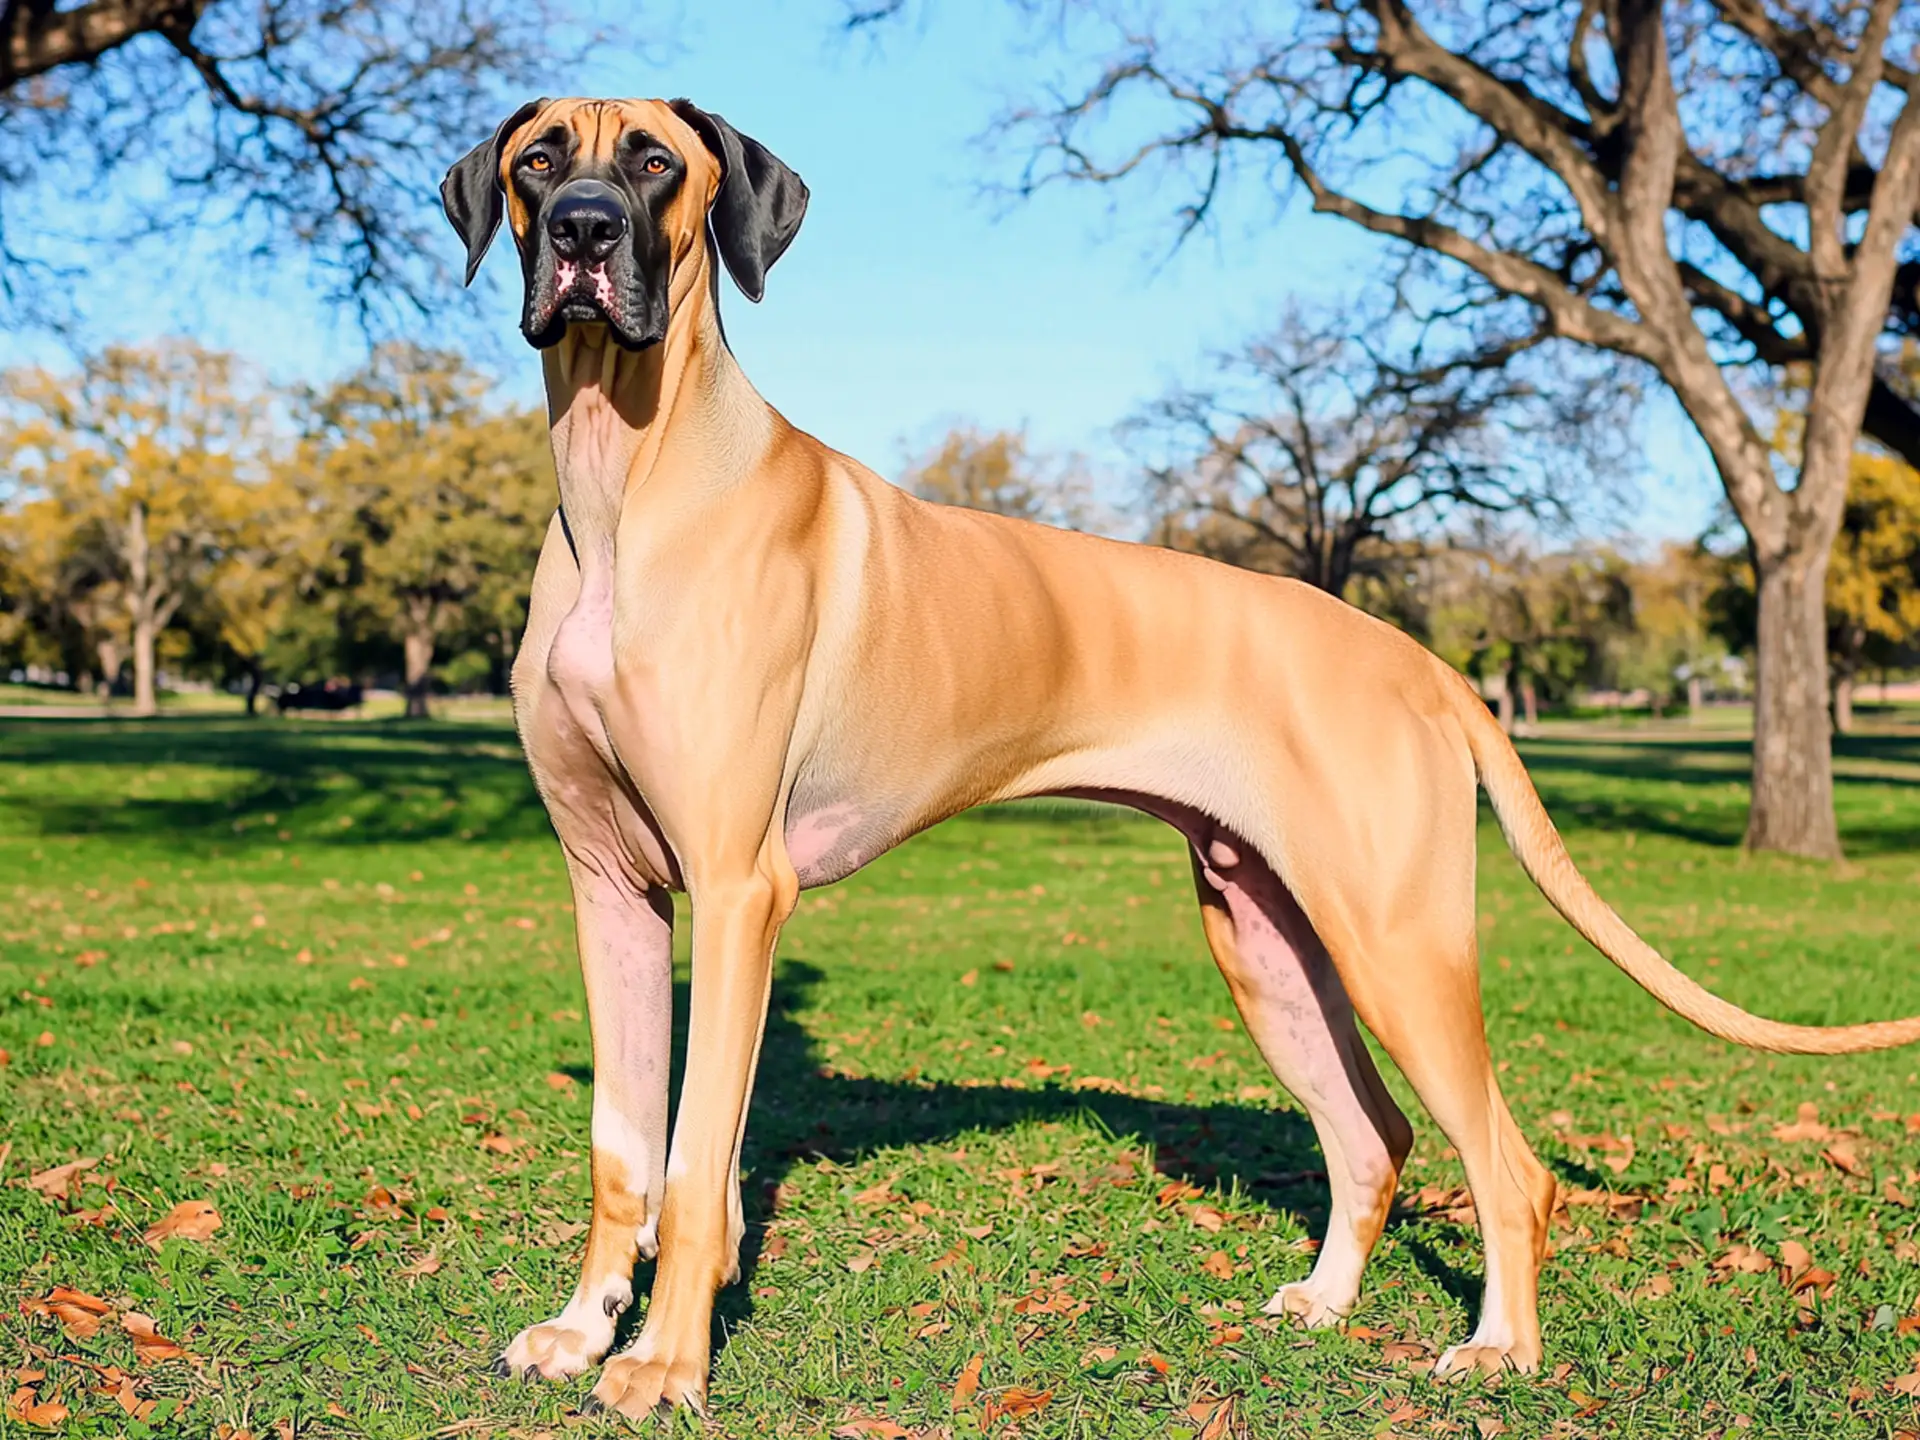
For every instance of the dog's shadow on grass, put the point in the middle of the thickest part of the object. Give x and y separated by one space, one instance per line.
803 1112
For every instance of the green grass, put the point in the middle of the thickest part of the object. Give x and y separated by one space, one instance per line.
322 975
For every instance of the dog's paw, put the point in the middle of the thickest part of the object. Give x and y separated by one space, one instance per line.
1475 1358
1304 1303
637 1383
567 1345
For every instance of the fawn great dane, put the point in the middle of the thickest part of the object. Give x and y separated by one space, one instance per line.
751 665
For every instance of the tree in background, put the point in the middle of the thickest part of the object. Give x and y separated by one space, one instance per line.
1522 620
997 471
1873 584
1709 188
1670 649
309 129
130 467
1311 452
437 506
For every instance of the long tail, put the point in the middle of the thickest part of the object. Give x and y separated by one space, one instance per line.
1543 855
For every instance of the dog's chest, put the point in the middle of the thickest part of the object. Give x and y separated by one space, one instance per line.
580 662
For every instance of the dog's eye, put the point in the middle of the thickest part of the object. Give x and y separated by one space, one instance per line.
656 165
539 162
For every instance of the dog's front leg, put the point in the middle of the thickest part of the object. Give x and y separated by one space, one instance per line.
736 922
626 959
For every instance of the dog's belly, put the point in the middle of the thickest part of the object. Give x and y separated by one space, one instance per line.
829 840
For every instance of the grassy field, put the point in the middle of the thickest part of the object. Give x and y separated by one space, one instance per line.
320 978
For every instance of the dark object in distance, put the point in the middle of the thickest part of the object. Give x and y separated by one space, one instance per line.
330 695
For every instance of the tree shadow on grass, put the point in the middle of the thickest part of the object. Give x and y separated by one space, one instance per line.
326 782
1605 783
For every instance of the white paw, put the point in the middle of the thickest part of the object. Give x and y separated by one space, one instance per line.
1307 1305
1479 1357
570 1343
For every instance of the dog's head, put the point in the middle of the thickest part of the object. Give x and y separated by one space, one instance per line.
607 199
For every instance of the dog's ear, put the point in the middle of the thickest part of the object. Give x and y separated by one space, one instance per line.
760 203
471 193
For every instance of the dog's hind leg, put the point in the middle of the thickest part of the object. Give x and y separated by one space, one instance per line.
1402 935
1299 1017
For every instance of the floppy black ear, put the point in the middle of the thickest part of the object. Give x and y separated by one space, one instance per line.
471 193
760 203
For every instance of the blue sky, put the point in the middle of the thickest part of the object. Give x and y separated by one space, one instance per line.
909 300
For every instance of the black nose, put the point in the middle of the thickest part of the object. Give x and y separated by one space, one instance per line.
586 222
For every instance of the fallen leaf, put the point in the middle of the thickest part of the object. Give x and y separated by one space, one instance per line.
500 1144
1014 1402
428 1264
558 1081
189 1220
62 1182
1841 1156
1794 1256
1744 1260
1403 1350
860 1261
80 1314
29 1410
1218 1265
1806 1126
1214 1417
1206 1218
879 1427
149 1345
967 1383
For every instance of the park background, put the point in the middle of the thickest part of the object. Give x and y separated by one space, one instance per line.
1012 1166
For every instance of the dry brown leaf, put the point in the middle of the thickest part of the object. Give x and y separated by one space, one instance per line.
1213 1416
80 1314
1014 1402
25 1407
500 1144
1744 1260
1403 1350
1806 1126
1218 1265
1794 1256
428 1264
1206 1218
871 1427
62 1182
558 1081
149 1345
1841 1156
189 1220
860 1261
968 1383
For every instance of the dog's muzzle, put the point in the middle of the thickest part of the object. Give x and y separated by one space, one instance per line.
585 227
588 272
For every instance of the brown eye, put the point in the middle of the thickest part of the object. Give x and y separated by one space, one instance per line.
656 165
539 162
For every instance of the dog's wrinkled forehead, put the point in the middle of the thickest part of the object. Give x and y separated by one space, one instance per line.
589 133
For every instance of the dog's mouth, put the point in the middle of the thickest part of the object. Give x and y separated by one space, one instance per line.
585 293
578 293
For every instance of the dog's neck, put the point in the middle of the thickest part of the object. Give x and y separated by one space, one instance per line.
678 416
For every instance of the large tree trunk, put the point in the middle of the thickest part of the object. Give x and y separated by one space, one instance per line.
418 645
109 653
141 609
1696 700
1792 744
1529 703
